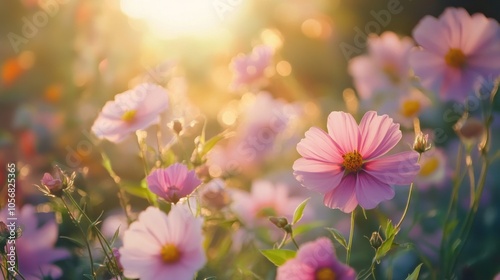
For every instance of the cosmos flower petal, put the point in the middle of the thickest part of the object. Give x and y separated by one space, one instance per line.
370 191
343 197
130 111
464 48
144 268
194 259
320 146
398 169
156 101
425 62
311 257
173 182
321 250
294 269
179 229
429 33
344 131
379 134
317 175
366 77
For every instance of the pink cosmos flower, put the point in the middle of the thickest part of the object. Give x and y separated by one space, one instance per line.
250 70
457 50
157 246
131 110
35 248
264 200
347 164
315 260
173 183
385 69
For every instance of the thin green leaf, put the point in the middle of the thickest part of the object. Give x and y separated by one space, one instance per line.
415 273
73 240
299 211
134 189
210 143
389 229
115 236
450 227
384 248
338 236
278 256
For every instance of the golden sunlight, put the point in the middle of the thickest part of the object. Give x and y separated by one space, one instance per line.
172 18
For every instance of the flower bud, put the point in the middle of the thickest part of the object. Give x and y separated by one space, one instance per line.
280 222
421 143
53 185
470 129
176 126
376 240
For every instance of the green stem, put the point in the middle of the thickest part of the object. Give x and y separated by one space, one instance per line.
94 228
294 242
84 236
351 234
459 176
143 156
469 220
283 241
158 143
472 180
408 201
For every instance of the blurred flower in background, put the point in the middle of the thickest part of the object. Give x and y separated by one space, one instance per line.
455 56
35 247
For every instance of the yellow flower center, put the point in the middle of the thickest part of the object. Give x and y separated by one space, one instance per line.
129 115
455 58
391 73
170 253
410 108
352 161
429 167
325 274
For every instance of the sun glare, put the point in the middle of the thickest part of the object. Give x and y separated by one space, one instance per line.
175 18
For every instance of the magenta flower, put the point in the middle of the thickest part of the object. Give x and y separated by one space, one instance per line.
51 182
173 183
386 69
346 164
457 51
131 110
250 70
315 260
157 246
35 248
